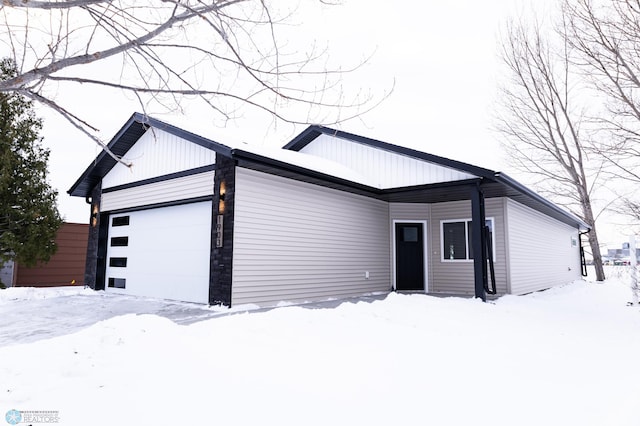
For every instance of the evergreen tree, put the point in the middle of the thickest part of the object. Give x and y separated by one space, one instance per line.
29 217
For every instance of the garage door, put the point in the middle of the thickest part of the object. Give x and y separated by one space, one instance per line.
161 253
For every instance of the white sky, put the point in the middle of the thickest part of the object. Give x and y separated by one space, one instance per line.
442 56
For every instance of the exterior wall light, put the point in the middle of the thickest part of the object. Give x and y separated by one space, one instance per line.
94 215
221 196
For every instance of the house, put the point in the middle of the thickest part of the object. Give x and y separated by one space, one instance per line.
65 267
330 215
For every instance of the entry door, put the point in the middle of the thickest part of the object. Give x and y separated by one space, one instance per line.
409 256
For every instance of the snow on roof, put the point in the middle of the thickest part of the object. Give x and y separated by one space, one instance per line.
309 162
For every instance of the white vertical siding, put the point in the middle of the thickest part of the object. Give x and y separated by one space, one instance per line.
182 188
540 250
295 241
409 212
158 153
385 169
457 277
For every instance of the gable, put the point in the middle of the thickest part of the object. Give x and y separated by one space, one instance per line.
158 153
385 169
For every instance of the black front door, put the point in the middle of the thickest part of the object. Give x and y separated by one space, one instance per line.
409 256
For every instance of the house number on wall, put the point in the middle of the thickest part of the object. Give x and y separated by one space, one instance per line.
219 222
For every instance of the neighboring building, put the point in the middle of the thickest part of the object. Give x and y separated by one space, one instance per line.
66 266
621 256
332 214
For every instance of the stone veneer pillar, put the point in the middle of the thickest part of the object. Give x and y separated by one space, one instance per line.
222 257
91 260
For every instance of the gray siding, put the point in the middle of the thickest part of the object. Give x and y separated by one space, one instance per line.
294 241
540 250
457 277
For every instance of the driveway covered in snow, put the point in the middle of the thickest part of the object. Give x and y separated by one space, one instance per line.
567 356
31 314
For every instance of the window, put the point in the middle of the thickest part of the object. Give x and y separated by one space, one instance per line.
410 234
456 239
120 221
117 282
118 262
119 241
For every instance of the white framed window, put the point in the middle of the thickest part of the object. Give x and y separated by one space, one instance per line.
455 240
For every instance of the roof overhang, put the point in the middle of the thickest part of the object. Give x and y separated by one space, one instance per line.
126 137
313 132
493 185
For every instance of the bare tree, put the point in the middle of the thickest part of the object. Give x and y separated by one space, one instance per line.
226 53
607 37
541 119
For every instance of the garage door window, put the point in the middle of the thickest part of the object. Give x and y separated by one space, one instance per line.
120 221
119 241
118 262
117 282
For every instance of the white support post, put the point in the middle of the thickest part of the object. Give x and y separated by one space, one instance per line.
635 290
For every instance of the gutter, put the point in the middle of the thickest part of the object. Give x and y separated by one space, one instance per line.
508 181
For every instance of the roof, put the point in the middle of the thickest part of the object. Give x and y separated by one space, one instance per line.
289 162
124 139
313 132
493 183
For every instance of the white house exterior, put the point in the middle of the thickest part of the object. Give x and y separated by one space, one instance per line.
330 215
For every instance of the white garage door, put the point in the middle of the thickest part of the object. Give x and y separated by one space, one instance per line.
161 253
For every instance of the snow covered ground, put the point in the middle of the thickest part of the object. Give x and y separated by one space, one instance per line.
567 356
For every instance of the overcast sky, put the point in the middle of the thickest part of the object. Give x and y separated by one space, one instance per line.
440 57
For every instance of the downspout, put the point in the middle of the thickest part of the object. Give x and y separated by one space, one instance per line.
583 260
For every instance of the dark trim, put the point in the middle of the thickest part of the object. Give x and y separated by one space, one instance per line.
307 136
421 193
251 160
507 187
430 186
555 211
183 134
162 178
312 132
161 205
495 184
124 139
87 180
478 242
101 262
